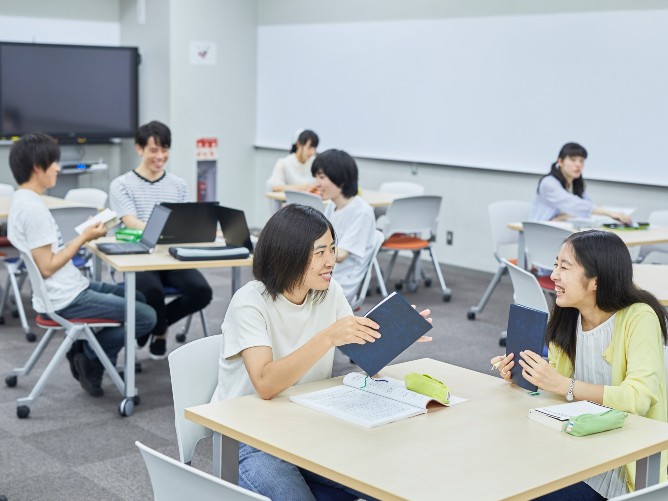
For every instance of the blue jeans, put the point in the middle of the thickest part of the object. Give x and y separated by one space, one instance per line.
102 300
282 481
575 492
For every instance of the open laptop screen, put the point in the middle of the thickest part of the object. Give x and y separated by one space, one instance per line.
154 226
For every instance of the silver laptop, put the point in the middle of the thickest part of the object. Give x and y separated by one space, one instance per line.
149 239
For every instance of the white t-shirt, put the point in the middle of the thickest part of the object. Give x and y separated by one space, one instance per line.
355 227
30 225
254 319
289 170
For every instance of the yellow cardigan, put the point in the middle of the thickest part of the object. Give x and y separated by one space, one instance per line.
638 374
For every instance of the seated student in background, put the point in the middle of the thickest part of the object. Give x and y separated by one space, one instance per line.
33 230
132 196
294 171
335 173
605 341
561 193
281 330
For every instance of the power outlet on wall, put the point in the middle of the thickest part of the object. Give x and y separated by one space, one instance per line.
448 237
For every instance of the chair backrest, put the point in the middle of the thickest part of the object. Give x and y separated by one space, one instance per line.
6 190
69 218
658 218
174 481
304 198
527 290
401 188
193 369
37 282
500 214
364 285
417 214
543 241
88 196
657 492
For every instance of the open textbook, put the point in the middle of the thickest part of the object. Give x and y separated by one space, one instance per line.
370 402
107 217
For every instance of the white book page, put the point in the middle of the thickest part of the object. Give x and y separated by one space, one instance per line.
572 409
387 298
360 407
106 217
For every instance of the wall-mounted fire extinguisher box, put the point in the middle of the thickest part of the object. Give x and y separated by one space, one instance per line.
207 160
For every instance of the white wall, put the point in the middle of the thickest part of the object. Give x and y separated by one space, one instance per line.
466 192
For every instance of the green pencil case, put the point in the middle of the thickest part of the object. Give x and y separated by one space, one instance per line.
429 386
588 424
129 235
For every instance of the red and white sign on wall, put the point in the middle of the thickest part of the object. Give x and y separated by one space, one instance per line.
207 148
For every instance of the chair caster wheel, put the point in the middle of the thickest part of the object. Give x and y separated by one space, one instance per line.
136 400
138 367
427 282
502 341
398 286
470 315
181 338
2 320
11 381
126 407
15 313
447 297
22 411
31 337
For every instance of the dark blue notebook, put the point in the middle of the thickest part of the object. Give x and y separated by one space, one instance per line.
400 326
526 331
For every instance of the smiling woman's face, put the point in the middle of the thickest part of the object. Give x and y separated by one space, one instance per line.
572 287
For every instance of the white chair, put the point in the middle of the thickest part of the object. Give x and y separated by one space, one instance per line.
500 214
74 329
193 370
542 243
657 492
6 190
304 198
657 252
88 196
409 219
16 276
174 481
68 218
405 188
372 266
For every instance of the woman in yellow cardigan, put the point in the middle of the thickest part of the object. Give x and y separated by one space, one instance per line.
605 339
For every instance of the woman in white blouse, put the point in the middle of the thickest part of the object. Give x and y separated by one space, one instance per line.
293 172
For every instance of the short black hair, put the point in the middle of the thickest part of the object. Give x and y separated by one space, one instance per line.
32 150
305 137
285 248
340 168
156 130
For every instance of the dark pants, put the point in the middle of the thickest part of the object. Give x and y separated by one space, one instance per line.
195 295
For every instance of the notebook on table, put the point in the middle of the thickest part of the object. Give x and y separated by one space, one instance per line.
190 222
526 331
149 239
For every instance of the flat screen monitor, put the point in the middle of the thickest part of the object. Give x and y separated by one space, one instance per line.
76 93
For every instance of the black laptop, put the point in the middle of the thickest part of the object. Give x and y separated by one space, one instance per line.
234 227
190 222
149 238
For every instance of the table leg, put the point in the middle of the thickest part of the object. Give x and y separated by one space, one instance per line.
521 252
236 278
647 471
225 458
130 291
97 268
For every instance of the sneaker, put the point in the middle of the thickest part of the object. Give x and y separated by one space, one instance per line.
141 341
90 374
70 358
158 348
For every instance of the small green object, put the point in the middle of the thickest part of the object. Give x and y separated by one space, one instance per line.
588 424
429 386
534 393
129 235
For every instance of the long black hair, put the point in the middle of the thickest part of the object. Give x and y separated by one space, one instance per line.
567 150
285 247
305 137
604 256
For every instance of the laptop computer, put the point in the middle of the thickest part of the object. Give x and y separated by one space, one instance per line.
149 238
190 222
234 227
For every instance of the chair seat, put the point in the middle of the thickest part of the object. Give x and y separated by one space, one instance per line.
46 322
4 242
405 242
545 282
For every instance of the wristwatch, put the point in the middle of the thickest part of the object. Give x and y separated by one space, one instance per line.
569 395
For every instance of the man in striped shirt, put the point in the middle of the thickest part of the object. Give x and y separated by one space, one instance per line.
133 196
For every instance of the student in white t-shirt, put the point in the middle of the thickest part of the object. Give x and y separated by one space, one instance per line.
336 175
293 172
32 229
281 330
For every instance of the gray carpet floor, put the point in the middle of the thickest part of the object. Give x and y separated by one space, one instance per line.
77 447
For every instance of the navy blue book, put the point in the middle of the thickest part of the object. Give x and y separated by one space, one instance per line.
526 331
400 326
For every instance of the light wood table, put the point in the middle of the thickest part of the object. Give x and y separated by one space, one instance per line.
159 260
51 203
486 448
373 198
653 278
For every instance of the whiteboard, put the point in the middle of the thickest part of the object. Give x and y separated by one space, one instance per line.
60 31
499 92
